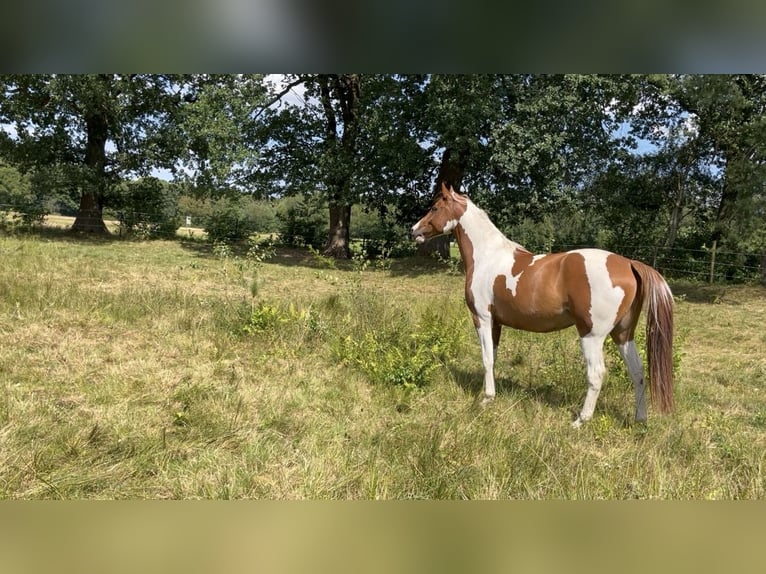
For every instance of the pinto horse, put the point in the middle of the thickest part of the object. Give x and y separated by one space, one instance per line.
598 292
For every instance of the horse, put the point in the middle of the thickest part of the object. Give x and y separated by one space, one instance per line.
599 292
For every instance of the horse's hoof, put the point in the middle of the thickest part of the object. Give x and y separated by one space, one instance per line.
486 401
577 423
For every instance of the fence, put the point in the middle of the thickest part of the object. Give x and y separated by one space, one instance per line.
710 265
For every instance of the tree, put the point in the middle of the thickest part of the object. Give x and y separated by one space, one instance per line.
340 95
347 140
220 125
460 111
726 115
523 143
89 132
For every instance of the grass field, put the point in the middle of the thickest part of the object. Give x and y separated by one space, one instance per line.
166 370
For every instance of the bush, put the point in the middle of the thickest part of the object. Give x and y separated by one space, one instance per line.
290 323
380 235
147 208
262 216
302 221
22 196
393 351
228 223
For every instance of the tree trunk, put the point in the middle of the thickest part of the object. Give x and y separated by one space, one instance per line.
675 215
763 270
345 89
90 217
451 170
338 243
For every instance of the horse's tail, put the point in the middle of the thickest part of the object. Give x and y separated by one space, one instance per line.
658 302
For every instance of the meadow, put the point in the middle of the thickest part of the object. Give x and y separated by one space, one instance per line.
177 370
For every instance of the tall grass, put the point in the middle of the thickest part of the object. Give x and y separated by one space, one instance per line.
156 370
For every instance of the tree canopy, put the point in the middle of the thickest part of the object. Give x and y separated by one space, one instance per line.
662 160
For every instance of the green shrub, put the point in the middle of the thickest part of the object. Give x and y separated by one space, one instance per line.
392 351
228 222
147 208
287 321
302 221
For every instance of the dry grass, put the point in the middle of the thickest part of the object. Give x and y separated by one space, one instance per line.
127 371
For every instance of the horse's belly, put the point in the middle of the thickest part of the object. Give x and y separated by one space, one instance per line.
535 322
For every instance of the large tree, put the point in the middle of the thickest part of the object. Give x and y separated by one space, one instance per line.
726 119
349 138
220 123
722 119
89 132
522 143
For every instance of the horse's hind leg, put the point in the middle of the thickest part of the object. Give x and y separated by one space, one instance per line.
622 335
496 330
630 356
593 351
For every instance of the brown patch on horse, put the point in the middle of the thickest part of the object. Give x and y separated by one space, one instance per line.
622 275
578 291
466 252
521 260
540 303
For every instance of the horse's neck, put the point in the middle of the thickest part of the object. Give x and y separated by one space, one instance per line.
483 235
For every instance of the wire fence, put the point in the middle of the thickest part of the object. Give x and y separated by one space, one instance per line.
705 264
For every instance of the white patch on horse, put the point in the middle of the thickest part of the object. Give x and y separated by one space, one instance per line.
512 282
632 360
450 225
496 259
605 298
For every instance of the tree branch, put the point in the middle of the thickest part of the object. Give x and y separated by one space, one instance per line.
279 96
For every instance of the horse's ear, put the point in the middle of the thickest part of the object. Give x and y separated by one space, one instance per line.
446 187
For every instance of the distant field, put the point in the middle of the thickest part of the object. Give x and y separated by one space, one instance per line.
65 222
164 370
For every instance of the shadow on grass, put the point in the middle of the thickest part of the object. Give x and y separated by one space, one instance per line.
410 266
65 235
301 257
697 292
550 394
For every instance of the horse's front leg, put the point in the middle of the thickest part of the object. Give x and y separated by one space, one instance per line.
488 349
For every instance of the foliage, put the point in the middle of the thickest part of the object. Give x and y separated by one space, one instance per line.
721 121
260 215
147 208
301 221
219 124
380 233
391 351
660 160
228 222
65 122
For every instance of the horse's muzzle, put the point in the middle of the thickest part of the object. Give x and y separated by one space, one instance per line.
417 235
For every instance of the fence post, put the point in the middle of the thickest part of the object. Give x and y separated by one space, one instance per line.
712 261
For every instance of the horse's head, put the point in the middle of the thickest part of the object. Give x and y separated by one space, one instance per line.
443 216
